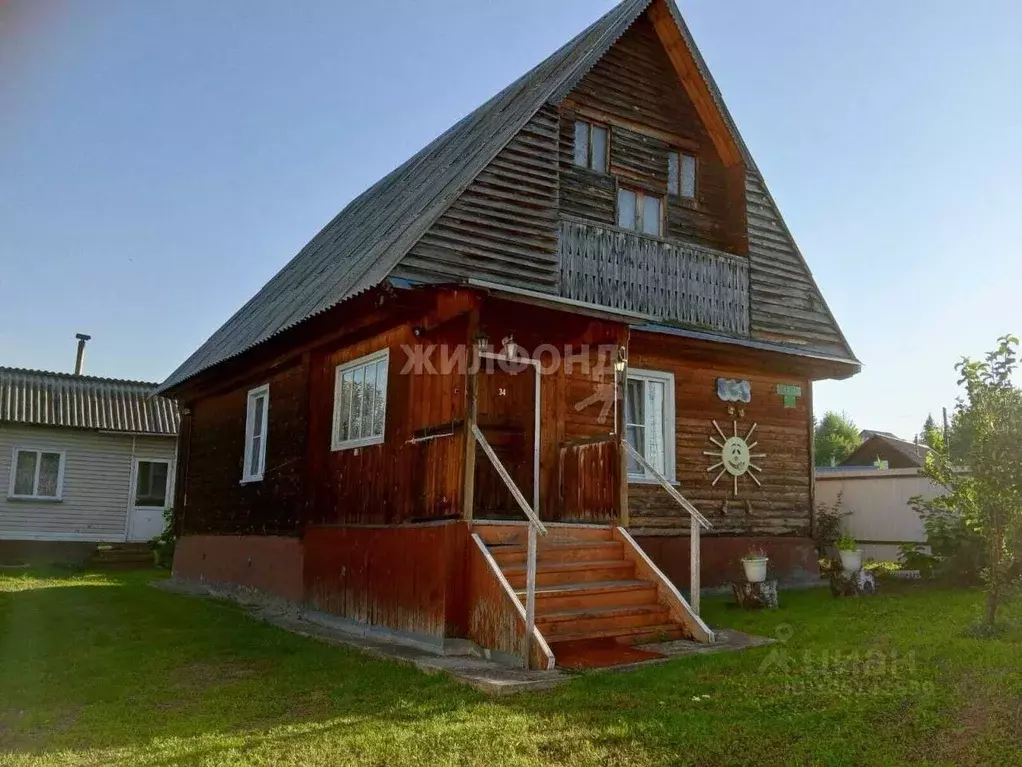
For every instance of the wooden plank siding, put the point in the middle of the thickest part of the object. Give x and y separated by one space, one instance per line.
215 501
782 504
415 474
410 578
503 227
786 305
635 90
576 402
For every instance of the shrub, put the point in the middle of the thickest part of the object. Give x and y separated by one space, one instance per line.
164 543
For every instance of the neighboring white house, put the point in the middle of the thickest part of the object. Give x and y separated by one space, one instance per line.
880 517
82 458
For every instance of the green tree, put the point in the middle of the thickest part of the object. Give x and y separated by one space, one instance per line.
931 434
836 438
981 470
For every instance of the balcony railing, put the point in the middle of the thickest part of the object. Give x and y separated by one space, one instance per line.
675 283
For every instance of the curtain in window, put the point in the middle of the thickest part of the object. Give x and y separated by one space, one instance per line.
635 423
24 476
655 424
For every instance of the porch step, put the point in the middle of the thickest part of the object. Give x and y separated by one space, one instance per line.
577 596
493 533
559 552
585 621
559 573
121 555
663 632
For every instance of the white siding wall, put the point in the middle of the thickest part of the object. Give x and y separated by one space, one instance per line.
880 516
97 477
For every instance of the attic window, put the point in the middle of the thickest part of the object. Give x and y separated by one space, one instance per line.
681 175
639 211
591 146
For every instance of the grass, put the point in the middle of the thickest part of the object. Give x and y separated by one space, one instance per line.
102 669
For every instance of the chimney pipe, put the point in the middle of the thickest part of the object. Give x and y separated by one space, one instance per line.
80 359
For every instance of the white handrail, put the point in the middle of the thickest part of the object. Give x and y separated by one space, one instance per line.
535 526
697 519
671 490
515 492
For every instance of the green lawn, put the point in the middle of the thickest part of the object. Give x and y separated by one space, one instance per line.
102 669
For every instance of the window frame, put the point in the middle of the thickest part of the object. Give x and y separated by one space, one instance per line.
39 451
670 437
590 124
263 391
168 492
640 197
363 361
678 193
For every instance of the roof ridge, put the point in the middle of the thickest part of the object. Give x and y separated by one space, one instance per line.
76 376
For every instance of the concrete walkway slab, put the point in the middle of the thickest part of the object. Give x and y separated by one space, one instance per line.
486 675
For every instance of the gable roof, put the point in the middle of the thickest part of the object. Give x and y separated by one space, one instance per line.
43 398
359 248
886 444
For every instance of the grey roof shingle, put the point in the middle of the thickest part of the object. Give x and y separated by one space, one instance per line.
358 249
43 398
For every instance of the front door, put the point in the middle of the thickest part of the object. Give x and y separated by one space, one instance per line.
505 413
150 495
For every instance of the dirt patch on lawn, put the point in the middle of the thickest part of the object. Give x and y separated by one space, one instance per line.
987 720
202 675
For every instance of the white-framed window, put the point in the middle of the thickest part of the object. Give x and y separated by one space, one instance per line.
681 175
639 211
592 145
152 483
256 419
649 422
360 401
37 474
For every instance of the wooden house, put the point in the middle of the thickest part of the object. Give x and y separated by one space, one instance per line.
578 317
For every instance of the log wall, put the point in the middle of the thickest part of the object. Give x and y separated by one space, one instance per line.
781 506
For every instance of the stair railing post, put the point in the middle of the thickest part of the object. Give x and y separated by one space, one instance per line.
693 574
530 595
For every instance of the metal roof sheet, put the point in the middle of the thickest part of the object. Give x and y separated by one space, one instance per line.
43 398
365 241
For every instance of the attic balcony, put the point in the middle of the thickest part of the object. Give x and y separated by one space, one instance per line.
675 283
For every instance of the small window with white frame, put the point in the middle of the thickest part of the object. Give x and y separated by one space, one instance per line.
649 423
360 401
256 421
36 474
152 483
681 175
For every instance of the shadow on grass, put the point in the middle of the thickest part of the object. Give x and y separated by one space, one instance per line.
128 674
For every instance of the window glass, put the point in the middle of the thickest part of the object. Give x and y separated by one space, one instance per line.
688 176
626 208
24 476
255 434
582 143
151 484
360 401
649 421
651 215
673 173
599 147
49 472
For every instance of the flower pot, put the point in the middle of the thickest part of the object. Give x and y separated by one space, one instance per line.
755 569
851 561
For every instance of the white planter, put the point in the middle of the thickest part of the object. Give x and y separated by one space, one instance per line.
755 569
851 561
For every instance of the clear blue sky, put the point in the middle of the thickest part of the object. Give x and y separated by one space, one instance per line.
160 160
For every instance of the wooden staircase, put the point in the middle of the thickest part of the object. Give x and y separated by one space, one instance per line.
592 586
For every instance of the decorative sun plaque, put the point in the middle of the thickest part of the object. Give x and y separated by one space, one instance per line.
735 455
